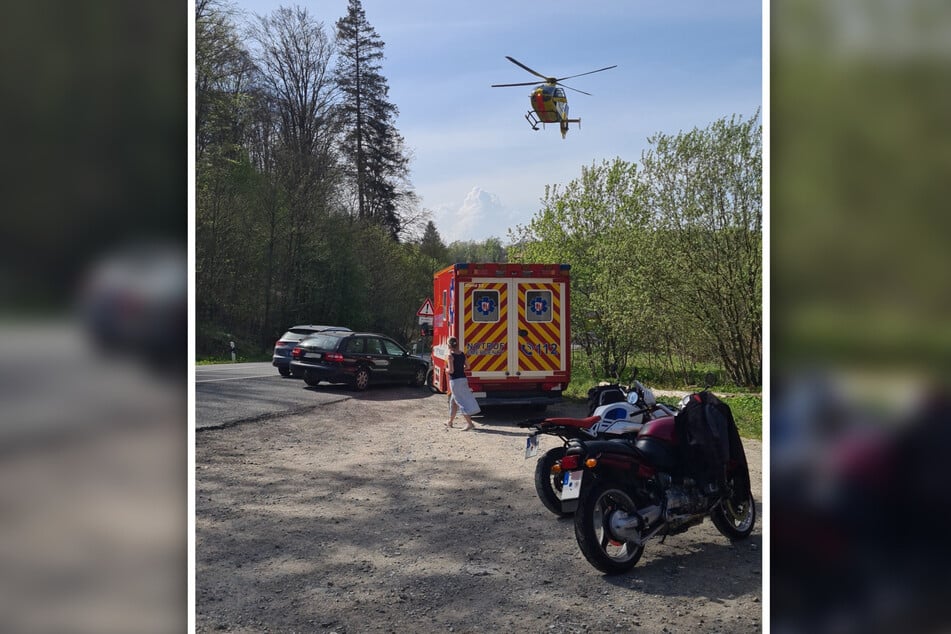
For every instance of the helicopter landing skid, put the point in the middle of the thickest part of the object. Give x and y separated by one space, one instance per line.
532 119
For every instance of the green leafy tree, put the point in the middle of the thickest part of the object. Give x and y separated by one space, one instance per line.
295 76
705 191
489 250
224 73
592 223
666 257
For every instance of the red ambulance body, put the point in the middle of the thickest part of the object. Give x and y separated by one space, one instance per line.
512 321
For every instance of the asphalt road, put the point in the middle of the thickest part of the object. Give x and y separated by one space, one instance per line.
239 392
54 383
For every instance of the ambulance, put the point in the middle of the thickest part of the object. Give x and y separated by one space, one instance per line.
513 323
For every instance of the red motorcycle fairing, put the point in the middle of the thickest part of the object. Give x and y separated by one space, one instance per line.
624 450
658 444
660 428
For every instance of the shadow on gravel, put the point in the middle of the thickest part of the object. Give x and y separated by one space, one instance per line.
499 432
413 537
672 569
347 541
388 392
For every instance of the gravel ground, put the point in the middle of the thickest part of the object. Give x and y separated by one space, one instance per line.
366 515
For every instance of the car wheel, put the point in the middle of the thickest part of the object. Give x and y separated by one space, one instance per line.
311 380
361 380
419 379
284 371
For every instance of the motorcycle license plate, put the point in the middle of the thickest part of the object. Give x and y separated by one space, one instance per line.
531 446
571 485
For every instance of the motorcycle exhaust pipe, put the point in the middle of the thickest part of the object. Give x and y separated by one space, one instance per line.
630 527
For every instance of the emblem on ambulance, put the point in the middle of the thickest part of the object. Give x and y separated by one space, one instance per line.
485 305
538 306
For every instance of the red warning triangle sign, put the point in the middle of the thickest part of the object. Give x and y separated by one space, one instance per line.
426 310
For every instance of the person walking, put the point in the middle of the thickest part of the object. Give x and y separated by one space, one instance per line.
461 398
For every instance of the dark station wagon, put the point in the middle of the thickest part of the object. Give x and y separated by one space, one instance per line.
283 347
357 358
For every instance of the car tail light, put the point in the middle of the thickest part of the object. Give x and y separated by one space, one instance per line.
569 463
333 356
296 352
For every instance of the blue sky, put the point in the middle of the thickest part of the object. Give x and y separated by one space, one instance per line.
477 165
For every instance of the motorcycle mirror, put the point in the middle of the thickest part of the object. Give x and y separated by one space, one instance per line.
709 380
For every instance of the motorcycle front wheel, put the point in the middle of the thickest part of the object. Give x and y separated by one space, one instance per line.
735 517
605 551
548 484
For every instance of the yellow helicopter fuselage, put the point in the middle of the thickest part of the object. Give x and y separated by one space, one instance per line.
549 104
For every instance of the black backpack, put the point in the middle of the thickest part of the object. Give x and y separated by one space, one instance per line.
710 441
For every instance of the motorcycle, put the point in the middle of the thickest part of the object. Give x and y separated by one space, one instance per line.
615 419
676 472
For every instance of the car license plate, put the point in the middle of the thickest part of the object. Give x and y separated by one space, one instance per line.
313 355
571 485
531 446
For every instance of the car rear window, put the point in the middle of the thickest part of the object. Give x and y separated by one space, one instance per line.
296 334
323 341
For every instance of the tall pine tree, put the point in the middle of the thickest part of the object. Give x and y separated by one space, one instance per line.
431 245
372 145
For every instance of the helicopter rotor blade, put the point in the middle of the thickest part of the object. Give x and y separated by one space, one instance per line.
527 83
533 72
575 89
588 73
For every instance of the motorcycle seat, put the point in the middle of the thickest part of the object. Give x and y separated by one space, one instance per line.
572 422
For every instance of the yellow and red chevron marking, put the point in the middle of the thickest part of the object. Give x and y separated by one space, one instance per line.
486 343
540 351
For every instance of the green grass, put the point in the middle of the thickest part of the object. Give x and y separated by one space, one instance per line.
238 359
748 414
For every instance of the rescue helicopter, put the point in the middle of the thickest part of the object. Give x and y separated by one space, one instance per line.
549 102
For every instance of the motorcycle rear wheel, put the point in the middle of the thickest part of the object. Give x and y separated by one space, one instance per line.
548 484
592 530
735 518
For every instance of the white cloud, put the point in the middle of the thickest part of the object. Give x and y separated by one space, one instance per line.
480 216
